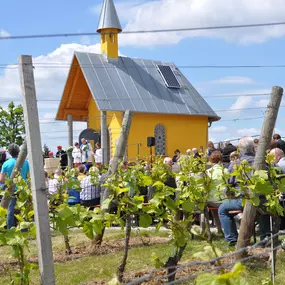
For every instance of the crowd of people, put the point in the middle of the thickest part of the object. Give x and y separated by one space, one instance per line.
221 158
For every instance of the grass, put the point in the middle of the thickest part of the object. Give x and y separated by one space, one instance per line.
103 267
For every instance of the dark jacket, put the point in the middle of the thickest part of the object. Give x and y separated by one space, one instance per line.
63 158
227 151
281 144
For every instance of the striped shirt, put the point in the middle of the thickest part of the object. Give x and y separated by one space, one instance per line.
89 191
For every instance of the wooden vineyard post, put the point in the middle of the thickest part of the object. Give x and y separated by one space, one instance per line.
70 140
249 212
33 137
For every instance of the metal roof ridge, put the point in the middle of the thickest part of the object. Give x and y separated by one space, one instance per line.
109 18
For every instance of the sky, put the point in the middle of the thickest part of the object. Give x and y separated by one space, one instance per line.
225 89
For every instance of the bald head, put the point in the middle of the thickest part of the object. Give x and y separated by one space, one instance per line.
194 150
188 151
278 153
168 161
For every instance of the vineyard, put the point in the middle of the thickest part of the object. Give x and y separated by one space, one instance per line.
104 246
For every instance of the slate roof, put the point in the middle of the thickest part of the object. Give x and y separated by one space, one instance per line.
109 17
135 84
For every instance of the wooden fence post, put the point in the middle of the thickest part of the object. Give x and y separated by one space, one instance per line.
45 255
249 212
70 139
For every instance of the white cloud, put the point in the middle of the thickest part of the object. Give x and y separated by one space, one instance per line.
232 80
49 79
4 33
218 129
248 132
50 76
171 14
262 103
242 102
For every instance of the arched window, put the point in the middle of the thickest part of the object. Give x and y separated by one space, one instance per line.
160 144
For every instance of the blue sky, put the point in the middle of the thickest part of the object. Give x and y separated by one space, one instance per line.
255 46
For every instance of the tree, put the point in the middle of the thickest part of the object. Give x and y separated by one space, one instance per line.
12 125
46 150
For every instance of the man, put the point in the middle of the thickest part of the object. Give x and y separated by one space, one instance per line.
63 157
279 142
279 158
86 153
232 202
229 148
188 152
6 172
90 194
256 142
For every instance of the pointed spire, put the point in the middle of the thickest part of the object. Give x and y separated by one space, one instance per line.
109 18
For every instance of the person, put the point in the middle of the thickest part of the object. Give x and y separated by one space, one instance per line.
53 183
211 148
63 157
279 158
232 202
188 152
176 156
195 152
82 172
86 153
6 172
50 154
90 194
3 157
74 194
279 142
256 142
234 159
229 148
216 174
98 156
77 155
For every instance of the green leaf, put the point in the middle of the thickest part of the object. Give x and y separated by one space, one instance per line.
65 212
106 203
262 174
206 279
188 206
263 188
145 220
88 230
170 204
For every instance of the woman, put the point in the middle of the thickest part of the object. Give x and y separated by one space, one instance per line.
98 156
216 173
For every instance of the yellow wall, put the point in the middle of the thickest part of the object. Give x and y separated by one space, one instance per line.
109 43
181 131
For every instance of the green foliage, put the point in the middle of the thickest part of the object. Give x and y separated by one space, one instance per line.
18 237
11 125
230 278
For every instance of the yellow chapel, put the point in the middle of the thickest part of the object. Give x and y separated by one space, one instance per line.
100 87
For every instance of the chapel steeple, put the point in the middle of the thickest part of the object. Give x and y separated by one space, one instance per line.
109 27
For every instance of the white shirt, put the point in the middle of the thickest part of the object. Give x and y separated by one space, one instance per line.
53 186
76 154
98 156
